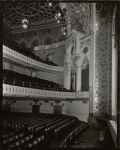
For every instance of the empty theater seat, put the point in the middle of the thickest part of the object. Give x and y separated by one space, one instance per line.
17 79
34 130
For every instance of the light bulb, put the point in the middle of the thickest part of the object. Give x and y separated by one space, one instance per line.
25 26
50 4
58 21
59 14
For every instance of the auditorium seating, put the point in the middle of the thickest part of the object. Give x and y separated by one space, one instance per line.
25 51
17 79
35 130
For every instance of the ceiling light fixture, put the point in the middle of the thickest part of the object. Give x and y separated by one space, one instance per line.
50 4
58 21
25 23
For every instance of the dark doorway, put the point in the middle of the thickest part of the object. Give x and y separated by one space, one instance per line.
85 79
7 107
57 109
35 109
73 82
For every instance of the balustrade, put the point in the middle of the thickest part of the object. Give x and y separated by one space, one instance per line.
26 60
31 92
74 133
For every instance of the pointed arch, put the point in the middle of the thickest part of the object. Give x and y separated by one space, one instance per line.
23 42
48 36
34 43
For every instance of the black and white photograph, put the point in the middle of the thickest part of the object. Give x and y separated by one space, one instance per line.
60 74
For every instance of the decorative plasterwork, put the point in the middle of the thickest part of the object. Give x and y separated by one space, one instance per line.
80 17
33 11
37 27
85 62
10 90
74 63
47 47
26 61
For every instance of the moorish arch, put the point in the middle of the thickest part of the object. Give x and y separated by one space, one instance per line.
23 42
34 44
48 37
48 41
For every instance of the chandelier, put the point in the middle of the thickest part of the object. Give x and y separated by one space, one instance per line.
64 29
25 23
60 17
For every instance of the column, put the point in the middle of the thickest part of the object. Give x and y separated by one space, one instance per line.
68 77
114 69
78 84
92 63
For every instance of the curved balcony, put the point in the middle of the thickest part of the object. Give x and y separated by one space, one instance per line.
49 46
20 58
10 90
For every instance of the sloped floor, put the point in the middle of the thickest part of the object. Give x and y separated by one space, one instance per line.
89 138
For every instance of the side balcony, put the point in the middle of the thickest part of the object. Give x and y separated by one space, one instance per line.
16 57
17 91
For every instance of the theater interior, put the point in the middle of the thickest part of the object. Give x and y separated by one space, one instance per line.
60 75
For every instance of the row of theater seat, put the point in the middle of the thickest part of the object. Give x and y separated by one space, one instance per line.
17 79
25 51
37 130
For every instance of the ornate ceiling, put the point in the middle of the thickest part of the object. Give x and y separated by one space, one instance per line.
35 12
41 15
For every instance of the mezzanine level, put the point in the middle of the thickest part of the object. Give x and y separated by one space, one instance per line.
16 57
15 91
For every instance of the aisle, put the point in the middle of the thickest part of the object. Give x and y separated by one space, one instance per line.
88 138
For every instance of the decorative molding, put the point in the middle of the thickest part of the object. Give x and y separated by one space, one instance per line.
10 90
19 58
47 47
36 28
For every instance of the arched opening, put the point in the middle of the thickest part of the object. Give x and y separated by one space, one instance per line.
34 44
48 41
85 75
23 44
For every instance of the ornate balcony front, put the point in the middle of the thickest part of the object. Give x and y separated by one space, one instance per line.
15 91
22 59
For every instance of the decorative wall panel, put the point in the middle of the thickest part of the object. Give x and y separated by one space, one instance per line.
103 64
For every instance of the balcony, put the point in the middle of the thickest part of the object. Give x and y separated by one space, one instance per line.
15 91
16 57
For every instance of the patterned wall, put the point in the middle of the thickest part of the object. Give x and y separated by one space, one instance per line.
103 60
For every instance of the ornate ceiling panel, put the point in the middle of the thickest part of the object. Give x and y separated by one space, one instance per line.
14 12
80 14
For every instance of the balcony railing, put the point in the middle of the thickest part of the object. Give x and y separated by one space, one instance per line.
73 134
20 58
10 90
